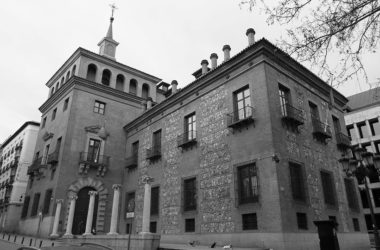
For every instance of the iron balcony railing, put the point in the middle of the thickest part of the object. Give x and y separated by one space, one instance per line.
131 162
53 158
94 159
187 139
321 129
154 152
240 117
292 115
342 140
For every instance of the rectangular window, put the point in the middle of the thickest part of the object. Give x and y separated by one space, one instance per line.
48 195
25 207
284 94
356 224
130 202
376 196
190 194
249 221
351 193
66 104
46 154
302 221
157 140
377 147
375 127
58 146
153 227
363 131
248 184
36 200
363 196
128 228
297 181
189 225
328 188
314 111
242 101
99 107
190 127
54 114
336 124
351 132
154 200
43 122
93 150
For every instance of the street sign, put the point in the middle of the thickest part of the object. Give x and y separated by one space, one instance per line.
130 214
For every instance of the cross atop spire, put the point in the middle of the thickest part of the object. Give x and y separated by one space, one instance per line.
113 8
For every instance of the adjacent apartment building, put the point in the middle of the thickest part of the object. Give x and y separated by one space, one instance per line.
363 125
17 154
246 154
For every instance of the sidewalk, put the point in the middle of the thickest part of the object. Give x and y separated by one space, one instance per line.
27 240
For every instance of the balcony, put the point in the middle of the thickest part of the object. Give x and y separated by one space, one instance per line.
92 161
153 152
240 118
292 115
321 131
343 141
37 166
131 162
187 139
53 158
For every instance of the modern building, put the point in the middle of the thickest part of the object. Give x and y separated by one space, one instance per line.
243 155
363 125
17 154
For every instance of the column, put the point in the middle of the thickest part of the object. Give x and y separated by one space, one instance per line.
115 208
90 213
146 210
70 219
54 233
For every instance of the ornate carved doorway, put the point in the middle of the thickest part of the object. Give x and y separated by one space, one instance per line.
81 209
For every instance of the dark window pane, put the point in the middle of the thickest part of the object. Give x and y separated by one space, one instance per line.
328 188
25 207
375 127
376 196
47 201
153 227
363 130
36 200
363 196
351 193
297 181
249 221
189 225
190 194
130 202
248 184
302 221
154 200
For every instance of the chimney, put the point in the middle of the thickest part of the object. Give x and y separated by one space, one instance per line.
174 86
149 103
226 50
251 36
204 64
214 58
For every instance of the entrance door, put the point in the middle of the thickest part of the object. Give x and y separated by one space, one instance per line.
81 209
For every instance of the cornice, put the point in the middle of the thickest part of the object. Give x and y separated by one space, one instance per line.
78 81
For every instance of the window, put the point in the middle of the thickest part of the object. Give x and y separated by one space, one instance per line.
375 127
336 124
363 131
190 127
91 72
145 91
99 107
128 228
135 148
157 140
106 77
153 227
377 147
351 193
51 91
73 71
58 146
120 82
242 100
62 80
43 122
66 104
93 150
302 221
297 181
52 173
48 195
363 196
351 132
190 194
133 87
284 94
249 221
248 184
376 196
154 200
190 225
36 200
355 222
67 75
46 154
314 111
328 188
25 207
130 202
54 114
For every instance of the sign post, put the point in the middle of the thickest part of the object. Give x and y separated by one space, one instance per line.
130 214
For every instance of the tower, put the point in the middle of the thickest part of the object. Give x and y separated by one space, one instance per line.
107 46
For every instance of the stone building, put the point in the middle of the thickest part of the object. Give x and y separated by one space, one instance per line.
244 155
17 154
363 126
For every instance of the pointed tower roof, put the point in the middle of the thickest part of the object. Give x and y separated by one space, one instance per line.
107 46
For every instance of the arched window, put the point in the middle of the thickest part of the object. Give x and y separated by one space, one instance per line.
120 82
52 91
106 77
73 71
133 86
67 75
91 72
145 91
62 80
57 86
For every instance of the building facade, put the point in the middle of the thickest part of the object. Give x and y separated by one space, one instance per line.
363 126
17 154
244 155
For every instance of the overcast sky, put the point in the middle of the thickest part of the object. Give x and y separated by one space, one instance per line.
166 38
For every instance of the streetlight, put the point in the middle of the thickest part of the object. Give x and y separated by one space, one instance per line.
361 166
